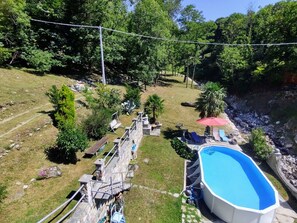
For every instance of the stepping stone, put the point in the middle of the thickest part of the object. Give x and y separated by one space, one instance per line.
176 195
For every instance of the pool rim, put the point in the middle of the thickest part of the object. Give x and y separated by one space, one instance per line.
204 184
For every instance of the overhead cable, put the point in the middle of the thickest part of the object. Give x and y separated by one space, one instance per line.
164 39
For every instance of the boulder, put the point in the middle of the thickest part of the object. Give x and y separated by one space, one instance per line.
49 172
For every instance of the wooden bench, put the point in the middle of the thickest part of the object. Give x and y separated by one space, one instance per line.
99 145
114 124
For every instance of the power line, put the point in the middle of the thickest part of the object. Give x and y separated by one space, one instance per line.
165 39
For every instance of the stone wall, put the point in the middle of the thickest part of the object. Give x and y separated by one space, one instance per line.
274 163
92 210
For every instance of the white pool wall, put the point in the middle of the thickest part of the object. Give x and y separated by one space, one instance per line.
231 213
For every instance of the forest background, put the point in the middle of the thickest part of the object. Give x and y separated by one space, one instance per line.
76 51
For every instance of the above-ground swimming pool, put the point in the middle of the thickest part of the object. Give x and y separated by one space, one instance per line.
234 188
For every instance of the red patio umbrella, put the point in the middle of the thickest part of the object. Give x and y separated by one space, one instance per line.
212 121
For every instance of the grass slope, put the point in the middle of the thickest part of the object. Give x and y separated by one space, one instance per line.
164 171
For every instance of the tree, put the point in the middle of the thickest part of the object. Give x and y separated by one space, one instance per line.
96 125
154 106
232 63
211 101
69 141
14 24
63 103
145 56
42 61
103 105
106 98
259 144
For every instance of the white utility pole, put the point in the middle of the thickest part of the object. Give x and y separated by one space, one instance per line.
102 56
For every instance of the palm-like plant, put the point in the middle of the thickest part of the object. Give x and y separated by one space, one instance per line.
211 101
154 106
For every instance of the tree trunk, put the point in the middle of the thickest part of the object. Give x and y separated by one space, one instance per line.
193 76
154 115
185 77
187 80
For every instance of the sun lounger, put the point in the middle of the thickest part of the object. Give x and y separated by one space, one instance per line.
215 134
114 124
196 138
223 136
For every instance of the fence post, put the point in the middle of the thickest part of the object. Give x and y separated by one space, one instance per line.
100 169
117 143
86 180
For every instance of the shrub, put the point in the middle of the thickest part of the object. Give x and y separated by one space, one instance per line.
5 54
107 98
63 103
258 142
96 125
133 94
182 149
69 141
3 193
41 60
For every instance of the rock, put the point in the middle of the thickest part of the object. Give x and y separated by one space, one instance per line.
277 122
32 180
17 146
11 145
146 160
289 145
49 172
18 183
30 134
136 167
2 150
25 186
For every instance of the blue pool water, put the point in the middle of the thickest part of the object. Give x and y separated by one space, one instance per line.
235 178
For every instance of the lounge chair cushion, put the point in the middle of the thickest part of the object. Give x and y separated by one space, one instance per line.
215 134
196 138
223 136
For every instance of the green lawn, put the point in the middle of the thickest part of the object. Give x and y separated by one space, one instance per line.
165 169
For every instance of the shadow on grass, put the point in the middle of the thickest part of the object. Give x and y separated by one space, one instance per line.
164 84
61 212
168 80
34 72
56 155
82 103
170 133
76 198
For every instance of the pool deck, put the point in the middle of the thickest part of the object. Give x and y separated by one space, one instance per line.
284 213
